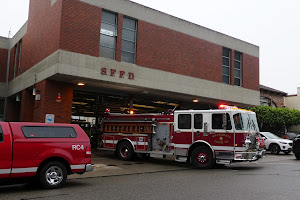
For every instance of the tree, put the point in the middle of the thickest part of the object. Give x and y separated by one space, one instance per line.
276 119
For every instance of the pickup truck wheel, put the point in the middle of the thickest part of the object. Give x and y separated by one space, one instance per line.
297 155
125 151
202 158
53 175
274 148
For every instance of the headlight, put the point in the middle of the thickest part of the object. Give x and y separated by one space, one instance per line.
282 143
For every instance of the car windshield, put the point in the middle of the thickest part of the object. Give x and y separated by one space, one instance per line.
248 121
270 135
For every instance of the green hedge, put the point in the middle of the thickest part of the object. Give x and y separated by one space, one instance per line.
276 119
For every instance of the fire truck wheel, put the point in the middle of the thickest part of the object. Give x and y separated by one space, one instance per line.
202 158
53 175
274 148
125 151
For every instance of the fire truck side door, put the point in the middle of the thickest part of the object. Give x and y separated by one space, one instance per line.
182 137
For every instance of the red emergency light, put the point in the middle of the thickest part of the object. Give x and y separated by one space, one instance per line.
107 110
223 106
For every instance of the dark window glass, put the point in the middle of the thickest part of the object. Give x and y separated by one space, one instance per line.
128 35
225 70
49 132
1 135
107 41
238 122
198 121
225 79
107 52
1 106
225 61
184 121
108 35
129 23
108 17
217 121
237 68
237 73
128 40
237 81
128 46
226 66
226 52
237 65
128 57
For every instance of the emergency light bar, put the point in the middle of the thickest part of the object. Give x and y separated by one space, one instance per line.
222 106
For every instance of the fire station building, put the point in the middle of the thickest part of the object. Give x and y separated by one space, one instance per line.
80 57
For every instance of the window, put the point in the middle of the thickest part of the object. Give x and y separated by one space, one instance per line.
237 68
15 63
108 35
264 101
1 135
49 132
20 52
217 121
184 121
2 109
238 123
128 40
198 121
226 65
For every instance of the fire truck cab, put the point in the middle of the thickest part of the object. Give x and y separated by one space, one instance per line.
202 137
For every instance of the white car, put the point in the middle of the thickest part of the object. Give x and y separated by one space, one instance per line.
276 144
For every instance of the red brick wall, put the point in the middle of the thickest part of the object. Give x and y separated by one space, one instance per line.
48 103
80 28
250 72
3 64
163 49
43 32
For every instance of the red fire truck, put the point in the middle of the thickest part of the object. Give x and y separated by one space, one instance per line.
202 137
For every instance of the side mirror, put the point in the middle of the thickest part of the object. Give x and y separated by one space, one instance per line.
264 138
224 125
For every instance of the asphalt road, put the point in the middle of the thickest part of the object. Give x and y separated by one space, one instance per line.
274 177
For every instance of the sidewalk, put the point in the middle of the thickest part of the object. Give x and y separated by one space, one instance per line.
107 164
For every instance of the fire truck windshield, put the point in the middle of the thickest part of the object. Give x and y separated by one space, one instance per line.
245 121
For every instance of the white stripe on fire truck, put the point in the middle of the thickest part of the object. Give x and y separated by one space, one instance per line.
116 141
4 171
227 148
23 170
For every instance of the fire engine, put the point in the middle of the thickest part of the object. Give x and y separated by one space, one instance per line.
201 137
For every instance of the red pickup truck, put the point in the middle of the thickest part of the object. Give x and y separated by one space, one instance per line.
46 152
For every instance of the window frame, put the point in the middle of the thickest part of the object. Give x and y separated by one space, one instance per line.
184 129
49 127
194 123
236 69
225 66
135 37
228 117
113 36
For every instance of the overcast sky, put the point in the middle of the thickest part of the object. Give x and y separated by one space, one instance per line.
273 25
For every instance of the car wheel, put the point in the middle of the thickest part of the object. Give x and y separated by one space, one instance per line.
286 152
202 158
297 155
125 151
53 175
274 148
